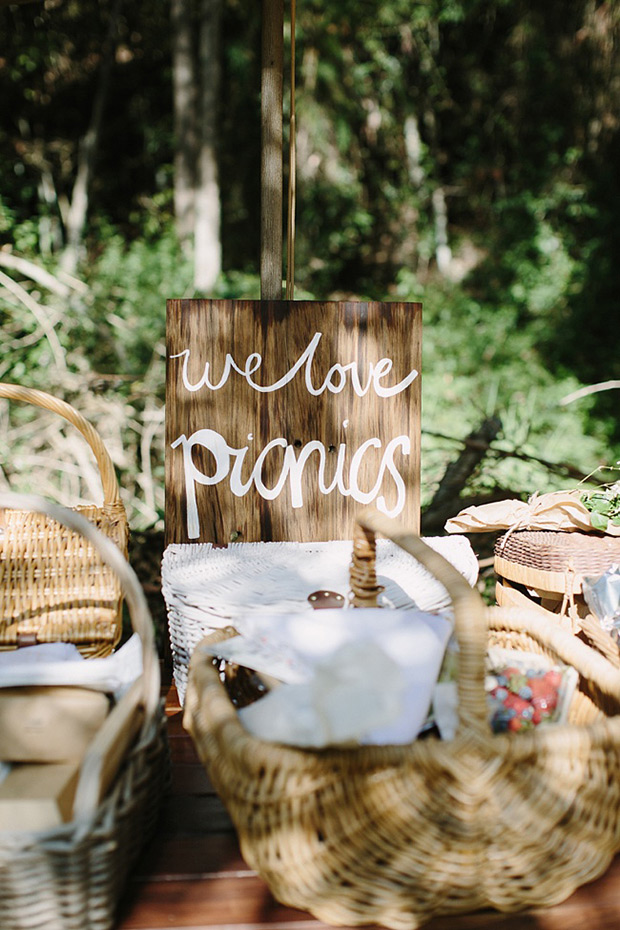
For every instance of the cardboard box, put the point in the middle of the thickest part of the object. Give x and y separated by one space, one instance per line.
49 724
38 797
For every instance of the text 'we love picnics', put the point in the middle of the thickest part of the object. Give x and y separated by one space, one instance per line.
337 467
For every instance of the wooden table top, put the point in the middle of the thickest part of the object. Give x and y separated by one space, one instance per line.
192 875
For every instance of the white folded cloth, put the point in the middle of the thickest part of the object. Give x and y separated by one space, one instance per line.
365 676
63 664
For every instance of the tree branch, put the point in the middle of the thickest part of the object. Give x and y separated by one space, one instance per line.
591 389
446 500
561 468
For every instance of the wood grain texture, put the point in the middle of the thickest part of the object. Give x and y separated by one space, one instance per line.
354 337
192 876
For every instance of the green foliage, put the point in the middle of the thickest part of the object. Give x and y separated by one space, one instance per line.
604 506
478 364
124 328
7 218
504 111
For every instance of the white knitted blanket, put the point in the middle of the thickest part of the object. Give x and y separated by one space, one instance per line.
206 588
223 584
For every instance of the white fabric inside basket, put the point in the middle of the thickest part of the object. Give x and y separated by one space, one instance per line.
206 588
48 664
363 676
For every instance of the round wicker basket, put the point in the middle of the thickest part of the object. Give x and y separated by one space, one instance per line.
553 560
395 835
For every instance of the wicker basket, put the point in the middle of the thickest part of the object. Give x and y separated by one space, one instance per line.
554 561
206 588
53 584
393 835
545 570
71 877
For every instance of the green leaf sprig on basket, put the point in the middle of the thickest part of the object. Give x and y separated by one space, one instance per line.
604 506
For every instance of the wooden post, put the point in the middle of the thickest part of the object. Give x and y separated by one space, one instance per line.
271 150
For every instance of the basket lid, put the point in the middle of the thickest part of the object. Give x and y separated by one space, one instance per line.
554 560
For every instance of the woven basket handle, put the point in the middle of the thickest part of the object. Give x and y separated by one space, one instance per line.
139 704
469 615
37 398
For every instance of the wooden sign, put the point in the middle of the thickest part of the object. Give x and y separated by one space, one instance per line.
285 418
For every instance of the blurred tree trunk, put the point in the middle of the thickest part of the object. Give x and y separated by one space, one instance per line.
196 86
185 122
207 242
87 153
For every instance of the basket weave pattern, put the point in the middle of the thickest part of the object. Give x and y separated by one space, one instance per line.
53 583
71 877
207 588
395 835
554 561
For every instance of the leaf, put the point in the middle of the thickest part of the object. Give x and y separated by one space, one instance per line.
599 521
601 505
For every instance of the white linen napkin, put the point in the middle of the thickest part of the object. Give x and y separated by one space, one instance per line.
365 675
63 664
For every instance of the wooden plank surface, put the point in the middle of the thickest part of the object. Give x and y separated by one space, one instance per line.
283 418
192 876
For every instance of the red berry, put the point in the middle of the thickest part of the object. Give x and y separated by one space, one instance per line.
540 687
553 677
517 703
543 707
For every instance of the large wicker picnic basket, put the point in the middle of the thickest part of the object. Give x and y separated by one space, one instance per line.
71 877
394 835
54 586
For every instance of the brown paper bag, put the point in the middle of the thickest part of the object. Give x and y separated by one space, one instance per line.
558 510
